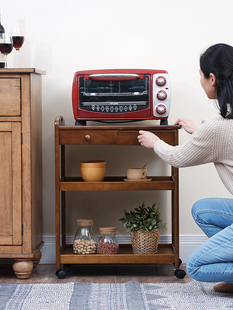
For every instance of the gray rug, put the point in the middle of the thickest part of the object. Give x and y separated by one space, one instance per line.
113 296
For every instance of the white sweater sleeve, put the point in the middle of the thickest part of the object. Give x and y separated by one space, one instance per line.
195 151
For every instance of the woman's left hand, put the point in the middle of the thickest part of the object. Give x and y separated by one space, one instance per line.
147 139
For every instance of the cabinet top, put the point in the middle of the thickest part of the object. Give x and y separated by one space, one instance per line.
22 70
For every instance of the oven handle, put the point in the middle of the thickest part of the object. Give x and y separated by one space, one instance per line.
114 77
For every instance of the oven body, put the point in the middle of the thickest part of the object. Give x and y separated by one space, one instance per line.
121 95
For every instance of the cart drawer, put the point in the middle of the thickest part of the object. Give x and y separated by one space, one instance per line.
88 137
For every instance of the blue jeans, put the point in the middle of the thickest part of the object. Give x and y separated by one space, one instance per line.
213 260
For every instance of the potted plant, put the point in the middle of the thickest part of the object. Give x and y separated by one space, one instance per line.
144 224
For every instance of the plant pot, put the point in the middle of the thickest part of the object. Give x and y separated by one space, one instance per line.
144 242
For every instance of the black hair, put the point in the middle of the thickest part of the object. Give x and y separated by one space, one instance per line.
218 59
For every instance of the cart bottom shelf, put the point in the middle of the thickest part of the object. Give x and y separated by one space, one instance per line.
165 254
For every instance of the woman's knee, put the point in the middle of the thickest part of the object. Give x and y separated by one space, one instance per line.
198 207
214 205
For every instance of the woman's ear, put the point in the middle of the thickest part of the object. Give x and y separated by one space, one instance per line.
212 79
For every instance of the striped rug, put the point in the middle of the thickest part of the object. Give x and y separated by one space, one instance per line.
113 296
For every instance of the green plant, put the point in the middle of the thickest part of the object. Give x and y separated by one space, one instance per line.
143 218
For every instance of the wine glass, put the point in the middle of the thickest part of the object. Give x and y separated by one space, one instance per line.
17 37
6 46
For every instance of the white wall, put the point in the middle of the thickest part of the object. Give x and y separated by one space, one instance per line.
65 36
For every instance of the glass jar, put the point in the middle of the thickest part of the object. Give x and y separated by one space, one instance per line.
107 243
84 240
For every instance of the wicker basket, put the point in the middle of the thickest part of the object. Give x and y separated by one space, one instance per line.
144 242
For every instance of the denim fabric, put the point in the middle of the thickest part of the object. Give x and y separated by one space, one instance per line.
213 260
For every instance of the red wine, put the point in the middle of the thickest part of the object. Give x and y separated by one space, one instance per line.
6 48
17 41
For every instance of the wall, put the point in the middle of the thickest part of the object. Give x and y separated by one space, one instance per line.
62 37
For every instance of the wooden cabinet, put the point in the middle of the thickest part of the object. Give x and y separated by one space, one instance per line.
21 168
111 135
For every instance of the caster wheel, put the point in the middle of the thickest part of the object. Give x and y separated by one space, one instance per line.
179 273
61 274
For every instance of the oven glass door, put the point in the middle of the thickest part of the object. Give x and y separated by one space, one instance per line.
103 93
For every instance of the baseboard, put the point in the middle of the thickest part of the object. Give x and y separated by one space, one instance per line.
188 243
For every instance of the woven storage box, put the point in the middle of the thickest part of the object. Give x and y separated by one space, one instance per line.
144 242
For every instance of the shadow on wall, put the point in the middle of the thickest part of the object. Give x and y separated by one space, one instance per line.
43 56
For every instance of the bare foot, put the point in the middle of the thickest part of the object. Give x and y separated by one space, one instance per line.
224 287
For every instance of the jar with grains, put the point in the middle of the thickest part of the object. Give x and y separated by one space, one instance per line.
108 243
84 240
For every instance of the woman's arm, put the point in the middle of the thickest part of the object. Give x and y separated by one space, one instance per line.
187 124
148 139
195 151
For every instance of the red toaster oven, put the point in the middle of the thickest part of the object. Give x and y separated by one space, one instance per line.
121 95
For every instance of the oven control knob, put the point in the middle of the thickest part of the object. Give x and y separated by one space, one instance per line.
161 95
161 109
160 81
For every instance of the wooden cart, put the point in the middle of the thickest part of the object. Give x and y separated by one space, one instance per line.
112 135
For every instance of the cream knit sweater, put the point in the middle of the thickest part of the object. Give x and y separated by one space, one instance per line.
211 142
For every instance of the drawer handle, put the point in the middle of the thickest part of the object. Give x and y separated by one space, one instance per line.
87 137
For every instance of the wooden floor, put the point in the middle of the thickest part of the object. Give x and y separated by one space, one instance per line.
97 274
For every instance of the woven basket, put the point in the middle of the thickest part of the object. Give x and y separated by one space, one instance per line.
144 242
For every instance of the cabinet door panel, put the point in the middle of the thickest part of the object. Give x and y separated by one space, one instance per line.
10 97
10 184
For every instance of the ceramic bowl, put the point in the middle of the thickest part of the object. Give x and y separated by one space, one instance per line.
93 171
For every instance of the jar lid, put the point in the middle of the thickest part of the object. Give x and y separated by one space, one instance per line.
107 230
84 222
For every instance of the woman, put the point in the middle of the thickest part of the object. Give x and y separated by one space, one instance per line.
210 142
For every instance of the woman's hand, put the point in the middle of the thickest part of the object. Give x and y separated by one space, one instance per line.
147 139
187 124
